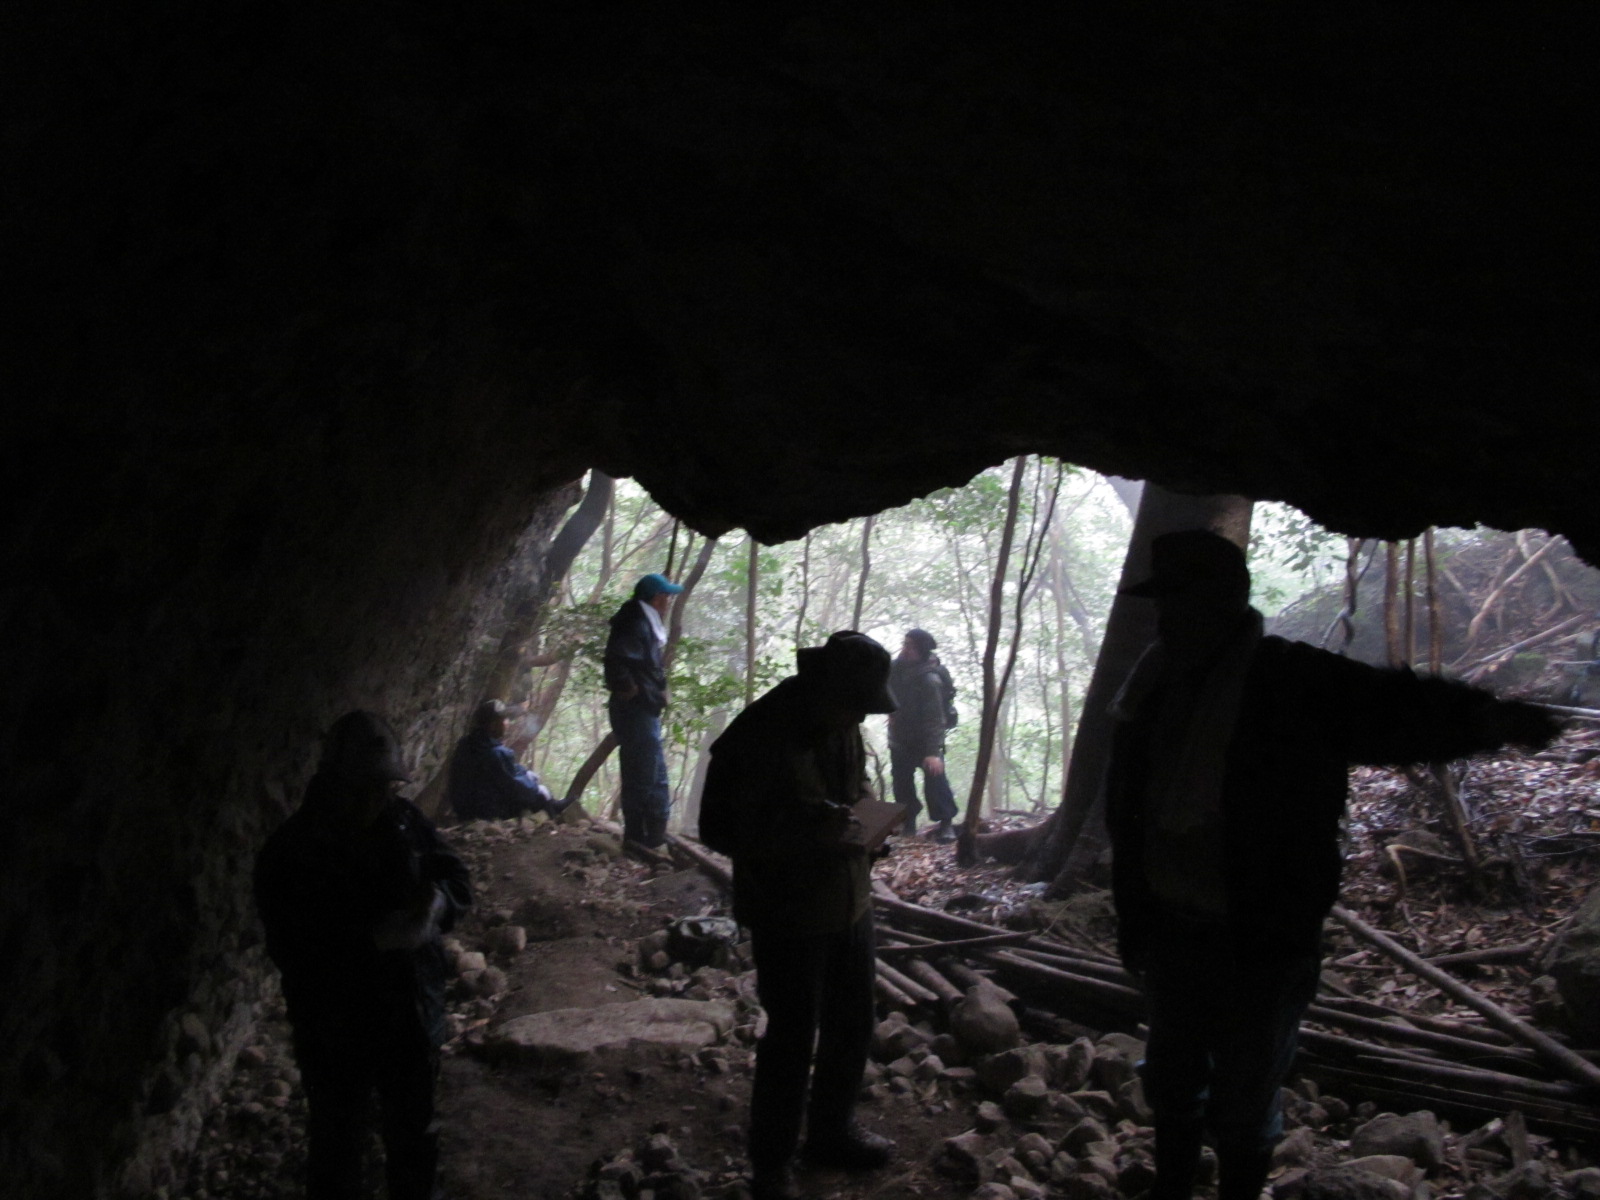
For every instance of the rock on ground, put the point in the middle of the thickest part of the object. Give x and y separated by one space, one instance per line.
566 1037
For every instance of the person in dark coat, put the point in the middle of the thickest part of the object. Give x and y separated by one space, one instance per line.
916 733
777 800
636 678
354 890
486 782
1225 787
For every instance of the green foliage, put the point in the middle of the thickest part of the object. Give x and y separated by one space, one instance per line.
931 567
1290 554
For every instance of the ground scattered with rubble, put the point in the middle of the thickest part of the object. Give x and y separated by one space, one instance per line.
566 922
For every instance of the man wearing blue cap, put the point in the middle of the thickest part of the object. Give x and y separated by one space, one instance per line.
636 677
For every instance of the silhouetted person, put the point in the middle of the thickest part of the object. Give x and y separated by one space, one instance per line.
1225 787
486 782
637 680
916 732
354 890
777 800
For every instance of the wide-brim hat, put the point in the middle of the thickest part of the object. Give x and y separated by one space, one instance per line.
1196 561
854 668
362 746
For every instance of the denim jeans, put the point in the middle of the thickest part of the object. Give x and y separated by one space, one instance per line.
646 797
817 992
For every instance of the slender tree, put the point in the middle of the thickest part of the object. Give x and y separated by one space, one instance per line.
753 576
966 845
866 569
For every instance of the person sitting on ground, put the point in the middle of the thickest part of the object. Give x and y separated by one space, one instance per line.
1225 787
486 782
783 778
916 733
354 891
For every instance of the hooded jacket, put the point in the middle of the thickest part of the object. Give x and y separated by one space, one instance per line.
916 727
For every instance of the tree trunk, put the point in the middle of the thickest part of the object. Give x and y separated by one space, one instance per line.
866 569
552 569
966 844
1075 836
750 623
805 593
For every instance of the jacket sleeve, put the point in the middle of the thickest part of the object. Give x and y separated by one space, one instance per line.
769 802
442 867
627 656
1390 717
925 720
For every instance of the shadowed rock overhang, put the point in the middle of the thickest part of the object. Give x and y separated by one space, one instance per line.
317 310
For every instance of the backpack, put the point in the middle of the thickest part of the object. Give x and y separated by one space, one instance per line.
947 693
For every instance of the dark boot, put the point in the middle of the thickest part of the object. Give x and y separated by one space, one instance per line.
774 1183
1177 1157
1241 1174
850 1149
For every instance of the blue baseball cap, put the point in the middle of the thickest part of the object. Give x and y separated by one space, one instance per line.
653 585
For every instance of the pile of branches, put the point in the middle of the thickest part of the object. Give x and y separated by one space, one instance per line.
1474 1067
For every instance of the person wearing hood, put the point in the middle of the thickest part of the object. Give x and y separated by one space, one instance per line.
354 891
917 728
485 781
636 678
778 795
1225 787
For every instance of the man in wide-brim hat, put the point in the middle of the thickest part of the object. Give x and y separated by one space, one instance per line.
1224 790
777 800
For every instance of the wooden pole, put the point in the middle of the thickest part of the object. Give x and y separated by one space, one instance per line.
1552 1051
1435 632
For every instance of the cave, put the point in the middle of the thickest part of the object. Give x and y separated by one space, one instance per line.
319 312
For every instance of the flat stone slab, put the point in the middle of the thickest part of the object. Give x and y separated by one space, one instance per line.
566 1037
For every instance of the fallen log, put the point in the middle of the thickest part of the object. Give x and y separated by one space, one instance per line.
1065 962
1580 1122
931 978
914 990
1506 1086
963 927
1114 995
1428 1066
923 946
1552 1051
711 864
1455 1028
891 994
1520 953
969 978
1416 1037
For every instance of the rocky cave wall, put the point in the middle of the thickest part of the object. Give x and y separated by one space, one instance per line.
317 312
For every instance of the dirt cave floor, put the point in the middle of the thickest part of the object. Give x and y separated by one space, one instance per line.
560 917
514 1132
